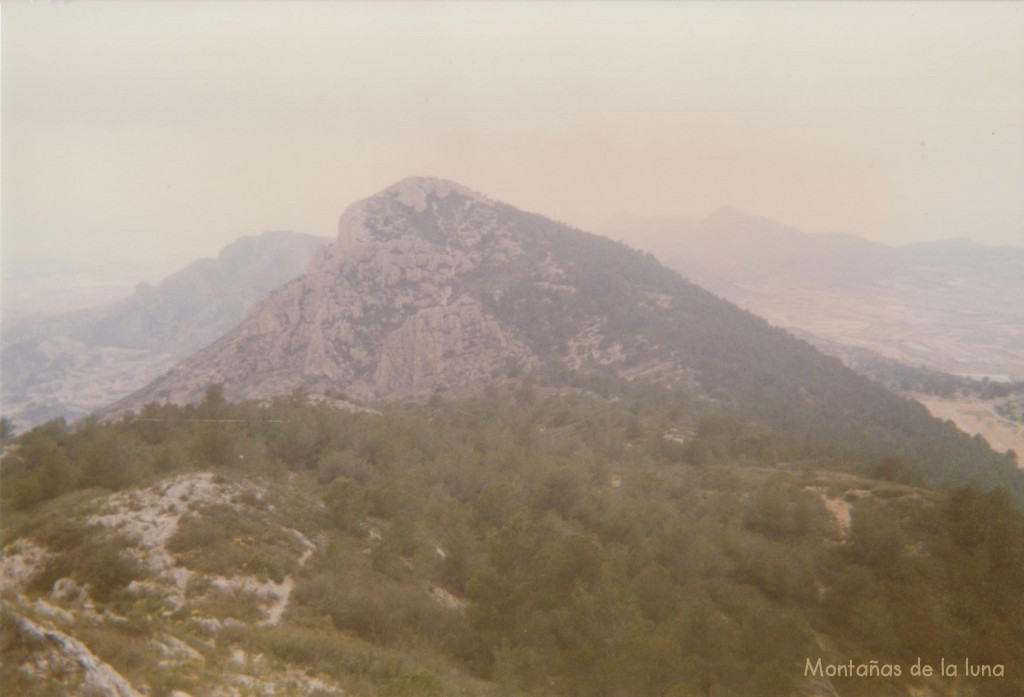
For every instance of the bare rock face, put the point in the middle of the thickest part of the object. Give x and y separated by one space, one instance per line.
419 353
392 307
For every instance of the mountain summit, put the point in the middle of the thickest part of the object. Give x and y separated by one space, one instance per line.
430 284
393 306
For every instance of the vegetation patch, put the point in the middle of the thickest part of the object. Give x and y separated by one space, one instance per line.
93 557
220 539
540 539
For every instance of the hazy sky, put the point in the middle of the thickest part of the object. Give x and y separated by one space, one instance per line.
153 133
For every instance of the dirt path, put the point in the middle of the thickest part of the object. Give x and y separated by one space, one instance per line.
283 591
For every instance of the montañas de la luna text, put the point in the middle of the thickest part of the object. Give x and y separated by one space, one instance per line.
877 669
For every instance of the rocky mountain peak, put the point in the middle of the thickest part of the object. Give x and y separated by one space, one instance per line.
392 306
416 192
433 287
415 211
431 284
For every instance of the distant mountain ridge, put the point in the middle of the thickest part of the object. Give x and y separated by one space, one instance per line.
950 305
431 286
67 365
192 307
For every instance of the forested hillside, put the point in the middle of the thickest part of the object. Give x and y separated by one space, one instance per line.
551 535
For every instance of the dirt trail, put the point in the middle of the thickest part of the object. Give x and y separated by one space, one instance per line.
283 590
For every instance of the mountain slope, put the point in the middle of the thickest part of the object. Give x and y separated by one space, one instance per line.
430 285
950 305
529 540
68 365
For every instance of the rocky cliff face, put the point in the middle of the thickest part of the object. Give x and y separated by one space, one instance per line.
394 307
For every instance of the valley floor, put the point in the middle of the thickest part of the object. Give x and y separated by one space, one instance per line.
978 417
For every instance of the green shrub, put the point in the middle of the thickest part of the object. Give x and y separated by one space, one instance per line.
94 558
221 540
418 684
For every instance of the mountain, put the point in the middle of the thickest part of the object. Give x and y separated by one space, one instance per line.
432 286
950 305
616 484
70 364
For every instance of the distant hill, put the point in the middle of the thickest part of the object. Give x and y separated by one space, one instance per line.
431 286
951 305
67 365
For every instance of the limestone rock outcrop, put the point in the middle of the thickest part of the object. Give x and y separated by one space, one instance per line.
395 306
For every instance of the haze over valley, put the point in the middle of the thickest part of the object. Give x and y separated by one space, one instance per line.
949 305
69 364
